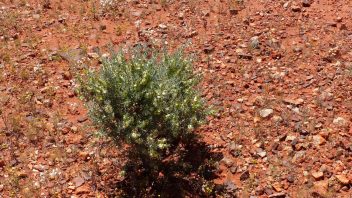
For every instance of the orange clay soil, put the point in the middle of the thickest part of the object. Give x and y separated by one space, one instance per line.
278 71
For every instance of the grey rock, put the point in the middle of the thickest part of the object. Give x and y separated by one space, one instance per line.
230 186
290 178
254 42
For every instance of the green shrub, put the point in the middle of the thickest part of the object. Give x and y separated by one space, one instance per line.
149 101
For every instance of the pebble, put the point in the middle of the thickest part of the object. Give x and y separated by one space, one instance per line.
264 113
233 169
340 121
66 75
245 175
290 138
306 3
290 178
254 42
227 162
162 26
298 101
39 167
261 152
230 186
277 187
295 8
278 195
318 175
78 181
318 140
342 179
82 119
83 189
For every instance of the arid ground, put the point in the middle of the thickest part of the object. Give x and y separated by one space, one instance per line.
278 71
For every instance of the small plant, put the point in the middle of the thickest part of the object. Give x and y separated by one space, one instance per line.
149 101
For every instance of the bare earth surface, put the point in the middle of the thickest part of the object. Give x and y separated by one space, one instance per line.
279 71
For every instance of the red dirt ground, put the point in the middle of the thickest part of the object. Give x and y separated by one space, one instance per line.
279 71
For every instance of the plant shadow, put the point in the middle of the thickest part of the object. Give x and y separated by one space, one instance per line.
190 174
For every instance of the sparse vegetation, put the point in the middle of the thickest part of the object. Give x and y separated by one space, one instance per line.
149 100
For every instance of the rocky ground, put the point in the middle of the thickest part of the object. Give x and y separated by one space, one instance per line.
278 71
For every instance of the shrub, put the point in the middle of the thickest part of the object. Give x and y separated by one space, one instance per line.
149 101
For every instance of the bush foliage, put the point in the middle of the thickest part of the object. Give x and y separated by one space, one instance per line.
148 100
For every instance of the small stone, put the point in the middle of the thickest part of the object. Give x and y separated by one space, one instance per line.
206 12
36 185
342 179
53 174
162 26
22 174
320 188
93 55
1 187
66 75
254 42
234 11
241 54
306 3
264 113
78 181
290 138
318 140
318 175
39 167
297 49
36 16
278 195
227 162
340 121
299 156
290 178
230 186
339 19
298 101
245 175
136 13
102 27
83 155
277 187
261 152
233 169
85 189
208 49
295 8
82 119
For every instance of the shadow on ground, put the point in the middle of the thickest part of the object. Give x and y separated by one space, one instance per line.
190 174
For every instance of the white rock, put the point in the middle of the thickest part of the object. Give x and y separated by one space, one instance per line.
340 121
265 112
